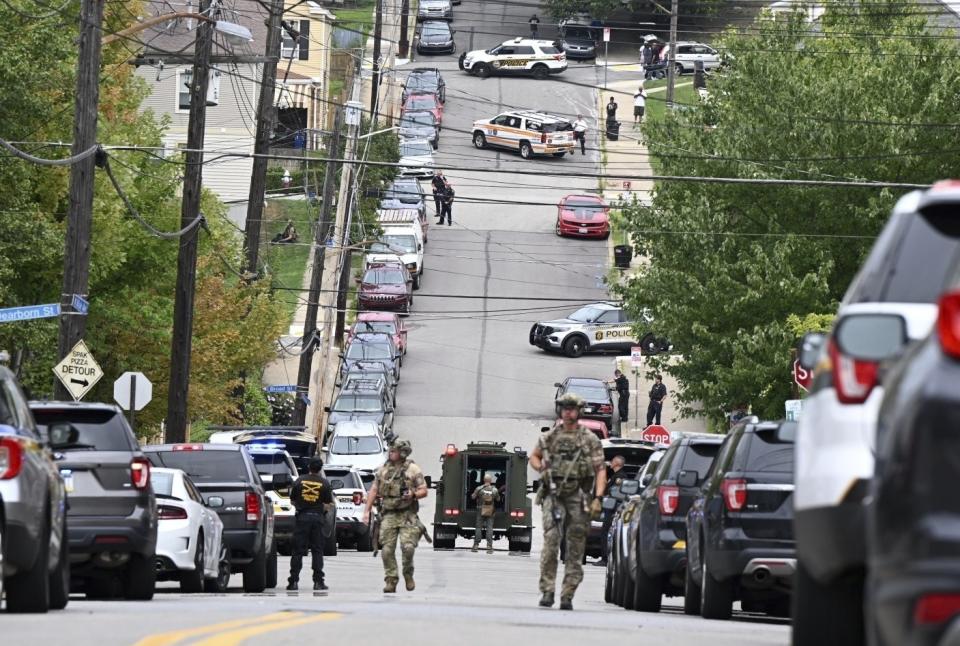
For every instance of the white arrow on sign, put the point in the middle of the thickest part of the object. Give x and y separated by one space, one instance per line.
132 383
78 371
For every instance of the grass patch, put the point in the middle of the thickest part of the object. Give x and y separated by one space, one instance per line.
657 106
359 17
288 262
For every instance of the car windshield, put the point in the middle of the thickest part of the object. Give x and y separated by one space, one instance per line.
413 120
581 33
162 483
576 204
436 29
99 430
270 463
419 149
421 82
204 466
347 403
364 445
587 314
376 326
422 102
403 192
368 350
405 243
384 277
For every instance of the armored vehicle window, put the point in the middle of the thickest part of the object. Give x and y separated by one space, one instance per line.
479 466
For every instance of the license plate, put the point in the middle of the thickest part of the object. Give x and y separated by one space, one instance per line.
345 499
583 229
67 481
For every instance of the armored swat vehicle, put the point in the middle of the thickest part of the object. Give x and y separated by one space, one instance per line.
463 472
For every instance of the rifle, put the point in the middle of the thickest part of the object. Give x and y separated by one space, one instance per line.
375 531
550 489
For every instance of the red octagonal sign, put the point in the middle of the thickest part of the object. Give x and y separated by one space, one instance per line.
655 433
802 376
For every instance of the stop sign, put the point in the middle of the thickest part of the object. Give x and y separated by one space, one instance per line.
802 376
655 433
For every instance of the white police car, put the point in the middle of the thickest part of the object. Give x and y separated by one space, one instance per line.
598 327
519 56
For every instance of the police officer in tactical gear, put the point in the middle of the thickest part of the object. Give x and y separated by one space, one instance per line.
622 384
400 485
312 497
570 457
487 496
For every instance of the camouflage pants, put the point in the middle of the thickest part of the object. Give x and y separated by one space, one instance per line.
577 522
483 524
402 526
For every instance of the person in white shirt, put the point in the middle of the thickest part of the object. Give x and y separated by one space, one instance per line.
639 104
580 133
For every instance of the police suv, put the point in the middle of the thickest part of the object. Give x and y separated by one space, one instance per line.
527 132
598 327
521 56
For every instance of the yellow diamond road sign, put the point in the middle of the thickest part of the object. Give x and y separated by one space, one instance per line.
78 371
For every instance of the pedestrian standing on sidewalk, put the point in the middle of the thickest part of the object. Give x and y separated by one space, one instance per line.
439 186
580 133
639 104
534 26
657 394
612 110
446 210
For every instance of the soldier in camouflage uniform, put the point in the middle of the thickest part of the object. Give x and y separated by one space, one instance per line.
399 484
487 496
570 458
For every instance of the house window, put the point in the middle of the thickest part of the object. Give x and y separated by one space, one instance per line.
296 49
288 49
184 80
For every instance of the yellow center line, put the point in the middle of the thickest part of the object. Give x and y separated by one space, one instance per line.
172 637
236 637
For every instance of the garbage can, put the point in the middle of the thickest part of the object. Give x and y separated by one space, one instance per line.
622 254
613 130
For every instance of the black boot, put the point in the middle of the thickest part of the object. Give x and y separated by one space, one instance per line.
320 585
292 586
566 604
546 601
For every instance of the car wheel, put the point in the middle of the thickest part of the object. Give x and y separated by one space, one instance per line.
29 591
330 546
716 596
436 143
460 65
482 70
608 582
557 228
648 590
827 614
222 580
575 346
140 578
416 281
272 568
192 581
540 72
629 593
678 69
60 577
479 141
691 592
526 150
255 574
559 154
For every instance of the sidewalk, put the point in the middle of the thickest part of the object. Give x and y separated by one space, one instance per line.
624 158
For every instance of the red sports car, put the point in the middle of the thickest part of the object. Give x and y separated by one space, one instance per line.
583 216
386 322
424 103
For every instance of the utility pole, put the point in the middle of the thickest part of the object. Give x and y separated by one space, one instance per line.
76 255
404 28
176 423
310 333
266 112
672 58
346 262
375 85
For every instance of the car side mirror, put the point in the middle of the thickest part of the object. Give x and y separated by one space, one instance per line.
214 502
324 449
870 337
281 481
687 479
429 481
419 247
557 385
630 487
62 435
809 349
326 409
646 479
609 503
389 409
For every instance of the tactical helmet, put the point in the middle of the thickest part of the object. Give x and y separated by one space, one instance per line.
403 447
570 400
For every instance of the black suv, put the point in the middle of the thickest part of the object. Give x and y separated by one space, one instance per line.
740 527
112 514
912 592
657 534
227 477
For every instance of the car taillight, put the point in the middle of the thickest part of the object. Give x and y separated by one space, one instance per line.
936 608
543 137
559 57
357 498
140 473
669 498
253 507
853 379
451 512
948 323
167 512
734 492
518 513
606 408
11 458
188 447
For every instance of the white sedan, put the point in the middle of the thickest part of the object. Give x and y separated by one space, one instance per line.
190 548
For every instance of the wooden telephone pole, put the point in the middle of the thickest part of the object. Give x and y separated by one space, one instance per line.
176 423
672 58
76 256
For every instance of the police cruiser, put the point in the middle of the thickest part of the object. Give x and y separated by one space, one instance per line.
521 56
598 327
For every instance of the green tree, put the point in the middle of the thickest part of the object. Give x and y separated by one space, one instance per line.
730 263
